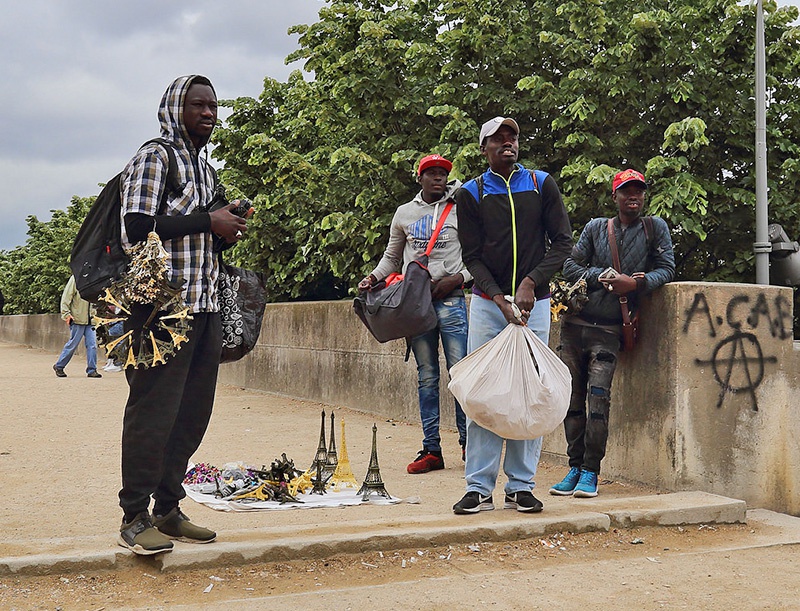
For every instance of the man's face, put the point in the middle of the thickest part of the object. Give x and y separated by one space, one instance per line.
434 183
630 200
501 148
200 113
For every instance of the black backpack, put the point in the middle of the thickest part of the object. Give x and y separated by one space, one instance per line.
97 257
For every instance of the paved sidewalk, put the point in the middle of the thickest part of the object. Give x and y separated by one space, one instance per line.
59 472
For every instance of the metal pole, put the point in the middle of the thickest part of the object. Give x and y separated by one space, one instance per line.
762 246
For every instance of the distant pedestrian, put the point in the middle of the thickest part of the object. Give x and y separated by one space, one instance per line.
107 335
76 312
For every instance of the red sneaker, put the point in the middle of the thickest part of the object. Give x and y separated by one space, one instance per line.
424 462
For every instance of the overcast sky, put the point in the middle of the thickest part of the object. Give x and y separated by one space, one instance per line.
83 79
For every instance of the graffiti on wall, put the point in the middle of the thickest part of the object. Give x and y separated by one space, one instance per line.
736 360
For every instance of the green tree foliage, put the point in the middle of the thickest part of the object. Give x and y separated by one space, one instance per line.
34 275
665 86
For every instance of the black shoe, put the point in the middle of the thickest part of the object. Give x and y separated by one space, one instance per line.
473 502
92 374
59 371
523 501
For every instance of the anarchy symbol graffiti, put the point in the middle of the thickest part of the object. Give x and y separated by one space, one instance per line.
738 365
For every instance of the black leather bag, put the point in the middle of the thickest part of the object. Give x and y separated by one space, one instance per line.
242 297
402 309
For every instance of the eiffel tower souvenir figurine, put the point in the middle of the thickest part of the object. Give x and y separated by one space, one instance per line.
343 475
331 461
373 482
320 479
321 456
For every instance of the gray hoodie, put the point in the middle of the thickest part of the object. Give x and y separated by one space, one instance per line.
410 231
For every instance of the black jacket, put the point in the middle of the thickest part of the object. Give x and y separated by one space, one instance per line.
592 254
485 229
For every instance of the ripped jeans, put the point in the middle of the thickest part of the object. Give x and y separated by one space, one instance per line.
591 355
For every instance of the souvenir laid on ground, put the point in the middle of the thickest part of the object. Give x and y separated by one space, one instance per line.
328 482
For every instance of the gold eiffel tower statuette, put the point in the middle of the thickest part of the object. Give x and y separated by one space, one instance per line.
373 482
343 475
321 456
331 460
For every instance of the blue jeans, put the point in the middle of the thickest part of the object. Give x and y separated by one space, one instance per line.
452 327
76 333
484 448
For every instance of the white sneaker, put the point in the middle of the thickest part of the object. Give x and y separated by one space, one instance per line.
112 368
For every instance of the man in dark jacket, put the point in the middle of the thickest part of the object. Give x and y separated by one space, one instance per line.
506 218
590 340
169 406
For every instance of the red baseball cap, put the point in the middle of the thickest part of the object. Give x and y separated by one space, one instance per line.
623 178
433 161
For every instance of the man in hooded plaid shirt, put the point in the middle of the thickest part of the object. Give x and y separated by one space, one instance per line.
169 406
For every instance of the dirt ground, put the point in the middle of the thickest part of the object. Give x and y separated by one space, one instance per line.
59 472
644 568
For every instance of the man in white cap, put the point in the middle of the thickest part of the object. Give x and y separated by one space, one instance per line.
590 340
515 234
409 234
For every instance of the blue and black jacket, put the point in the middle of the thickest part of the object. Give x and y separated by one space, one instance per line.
485 228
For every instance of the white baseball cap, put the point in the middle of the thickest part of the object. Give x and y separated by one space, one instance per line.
493 125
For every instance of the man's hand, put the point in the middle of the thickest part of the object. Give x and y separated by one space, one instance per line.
69 320
525 297
508 311
442 287
367 283
620 285
227 225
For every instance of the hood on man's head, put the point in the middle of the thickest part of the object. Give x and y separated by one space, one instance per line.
626 177
492 125
170 111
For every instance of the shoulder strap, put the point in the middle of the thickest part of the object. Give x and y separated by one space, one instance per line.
439 226
479 182
173 185
649 231
623 299
538 176
612 244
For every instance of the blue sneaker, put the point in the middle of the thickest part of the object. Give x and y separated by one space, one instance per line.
567 485
587 485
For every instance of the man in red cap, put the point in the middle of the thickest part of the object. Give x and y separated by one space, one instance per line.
409 234
590 340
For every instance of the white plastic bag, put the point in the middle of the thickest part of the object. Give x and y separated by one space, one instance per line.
500 388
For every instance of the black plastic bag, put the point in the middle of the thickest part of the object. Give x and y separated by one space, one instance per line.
242 297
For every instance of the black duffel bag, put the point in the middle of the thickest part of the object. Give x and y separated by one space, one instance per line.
400 309
401 305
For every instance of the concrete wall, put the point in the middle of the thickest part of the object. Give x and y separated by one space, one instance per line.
705 402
